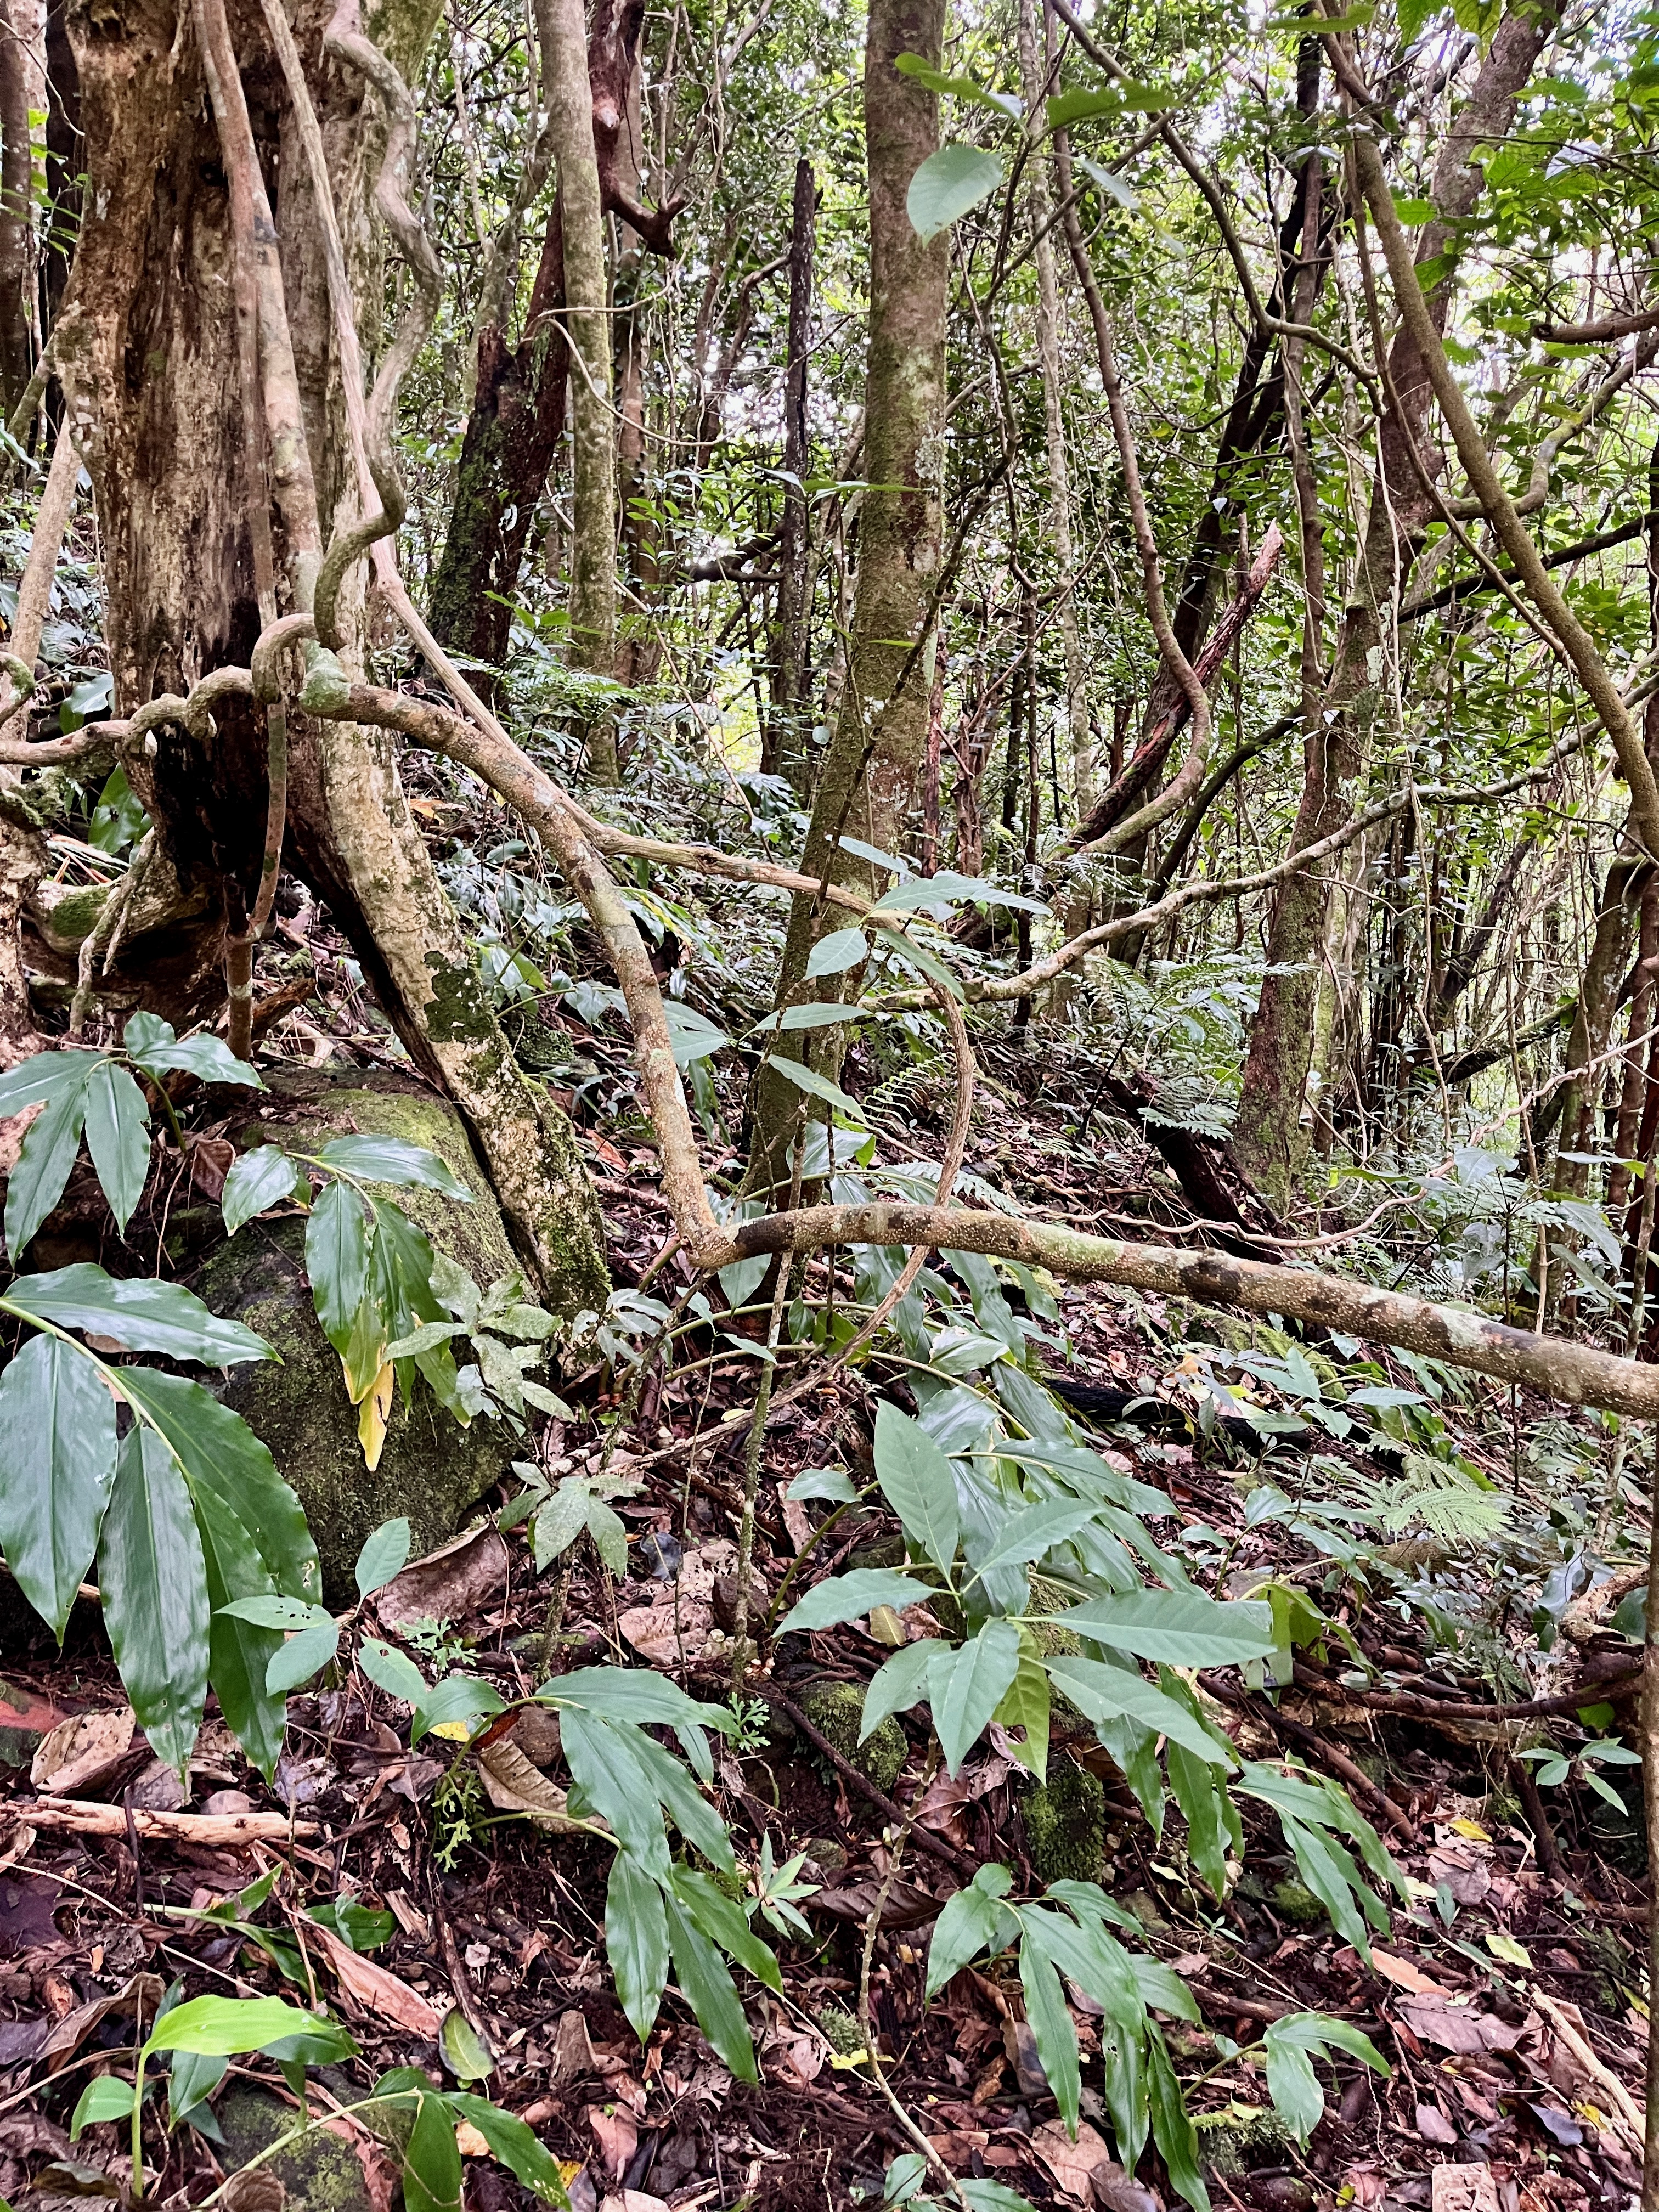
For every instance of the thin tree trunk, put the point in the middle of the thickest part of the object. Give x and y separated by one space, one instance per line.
785 738
16 213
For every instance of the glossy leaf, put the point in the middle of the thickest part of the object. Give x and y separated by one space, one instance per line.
899 1683
1184 1628
1051 2025
108 2098
155 1595
57 1467
391 1159
300 1657
973 1921
639 1694
154 1045
917 1482
462 2049
227 2027
392 1671
636 1941
833 955
845 1598
384 1555
458 1698
256 1181
707 1986
1027 1704
337 1261
1104 1692
431 2160
948 185
724 1922
239 1653
118 1137
1172 2127
44 1160
43 1077
966 1689
139 1312
515 2144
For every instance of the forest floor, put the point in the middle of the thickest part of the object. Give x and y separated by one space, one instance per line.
1506 1996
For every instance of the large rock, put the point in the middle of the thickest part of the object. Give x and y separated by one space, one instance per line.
321 2173
431 1468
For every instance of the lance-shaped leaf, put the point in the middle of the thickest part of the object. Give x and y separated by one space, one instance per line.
966 1687
844 1597
337 1261
57 1465
391 1159
1182 1627
915 1478
154 1588
44 1160
118 1137
1106 1693
636 1941
140 1313
259 1179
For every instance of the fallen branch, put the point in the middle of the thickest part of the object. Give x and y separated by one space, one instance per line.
1405 1702
957 1861
209 1829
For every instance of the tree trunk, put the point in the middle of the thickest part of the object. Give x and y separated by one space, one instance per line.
866 782
786 738
149 351
16 214
1267 1134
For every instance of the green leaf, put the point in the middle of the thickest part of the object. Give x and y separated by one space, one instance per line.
44 1077
221 1454
917 1480
238 1652
831 955
118 1137
140 1313
1027 1702
208 1058
692 1036
825 1482
108 2098
1182 1627
638 1694
227 2027
300 1657
457 1697
958 87
431 2160
947 186
966 1688
155 1595
899 1683
383 1556
707 1986
44 1160
1212 1826
1027 1534
724 1922
259 1179
1051 2025
816 1014
392 1671
462 2049
1172 2126
808 1079
636 1941
56 1467
514 2145
845 1598
905 2177
992 2196
192 2080
1106 1693
1293 2085
973 1921
390 1159
337 1261
610 1536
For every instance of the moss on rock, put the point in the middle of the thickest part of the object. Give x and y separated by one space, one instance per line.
836 1711
1066 1825
321 2173
431 1469
1294 1902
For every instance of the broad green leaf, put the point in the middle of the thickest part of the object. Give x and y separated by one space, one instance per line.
1334 1881
616 1787
155 1595
724 1922
44 1160
918 1483
337 1261
638 1694
905 2177
1182 1627
958 87
431 2160
458 1698
706 1984
692 1036
1051 2025
44 1077
259 1179
192 2080
392 1671
220 1453
514 2145
238 1652
382 1557
1108 1693
1172 2126
636 1941
992 2196
833 955
390 1159
118 1137
899 1683
610 1536
225 2027
462 2049
1314 2030
691 1813
1026 1702
1027 1534
1213 1825
808 1079
947 186
845 1597
108 2098
1293 2085
56 1467
424 1339
560 1521
825 1482
966 1688
208 1058
818 1014
300 1657
973 1920
140 1313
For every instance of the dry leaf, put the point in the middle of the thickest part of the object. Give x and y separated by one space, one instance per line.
254 2189
1072 2165
1457 2028
1463 2189
1434 2127
514 1785
211 1159
373 1986
80 1753
458 1580
573 2051
469 2142
634 2200
618 2138
1404 1975
144 1990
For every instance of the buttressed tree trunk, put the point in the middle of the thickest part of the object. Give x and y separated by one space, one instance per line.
866 782
149 351
1267 1136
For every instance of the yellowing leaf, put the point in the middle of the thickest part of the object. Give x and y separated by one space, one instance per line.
1472 1829
886 1626
455 1731
469 2142
372 1419
1506 1949
847 2061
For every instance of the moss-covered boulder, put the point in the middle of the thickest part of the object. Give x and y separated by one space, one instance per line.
431 1468
321 2173
1066 1825
836 1711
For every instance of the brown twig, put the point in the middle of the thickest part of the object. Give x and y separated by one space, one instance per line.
958 1861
